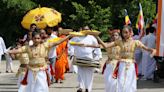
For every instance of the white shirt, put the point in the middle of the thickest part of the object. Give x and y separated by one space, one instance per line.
87 53
52 51
136 37
70 48
2 46
150 40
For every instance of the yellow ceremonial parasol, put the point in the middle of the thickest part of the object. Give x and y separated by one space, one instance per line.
42 17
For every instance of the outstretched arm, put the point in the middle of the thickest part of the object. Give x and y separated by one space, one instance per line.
109 45
152 51
59 41
14 51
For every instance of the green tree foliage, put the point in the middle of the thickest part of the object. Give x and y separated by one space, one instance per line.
11 15
93 15
98 14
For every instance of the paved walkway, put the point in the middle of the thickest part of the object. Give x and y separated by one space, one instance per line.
8 83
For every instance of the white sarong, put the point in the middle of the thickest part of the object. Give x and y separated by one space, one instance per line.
127 81
37 84
110 82
21 88
85 76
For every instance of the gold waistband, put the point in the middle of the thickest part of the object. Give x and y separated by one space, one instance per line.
127 60
111 61
35 61
36 65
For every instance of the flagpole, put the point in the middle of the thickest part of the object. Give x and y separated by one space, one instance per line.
147 21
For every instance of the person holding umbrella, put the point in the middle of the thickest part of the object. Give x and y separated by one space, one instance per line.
28 37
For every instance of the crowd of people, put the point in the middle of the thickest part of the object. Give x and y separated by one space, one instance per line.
45 55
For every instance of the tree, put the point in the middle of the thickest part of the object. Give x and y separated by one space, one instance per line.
98 14
12 12
93 15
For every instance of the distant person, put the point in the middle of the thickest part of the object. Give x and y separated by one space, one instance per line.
150 41
43 35
28 37
144 55
113 58
7 56
52 52
61 65
23 58
2 48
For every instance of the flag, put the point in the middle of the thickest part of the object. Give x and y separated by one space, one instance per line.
155 22
140 21
127 19
160 29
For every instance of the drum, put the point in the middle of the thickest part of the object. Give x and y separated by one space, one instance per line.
86 63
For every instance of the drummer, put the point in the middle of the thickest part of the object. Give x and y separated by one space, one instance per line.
85 74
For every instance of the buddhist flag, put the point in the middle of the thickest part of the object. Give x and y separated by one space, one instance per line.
160 29
127 19
140 21
155 22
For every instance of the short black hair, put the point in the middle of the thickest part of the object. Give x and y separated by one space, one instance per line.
35 33
147 31
33 24
152 29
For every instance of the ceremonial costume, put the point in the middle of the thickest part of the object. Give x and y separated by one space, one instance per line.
113 57
24 60
127 76
36 77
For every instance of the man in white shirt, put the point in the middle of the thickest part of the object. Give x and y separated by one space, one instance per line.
2 48
52 52
9 63
73 68
89 54
150 41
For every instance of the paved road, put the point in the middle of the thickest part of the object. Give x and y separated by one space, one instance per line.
8 83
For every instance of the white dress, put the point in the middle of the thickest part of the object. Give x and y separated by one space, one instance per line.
113 57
